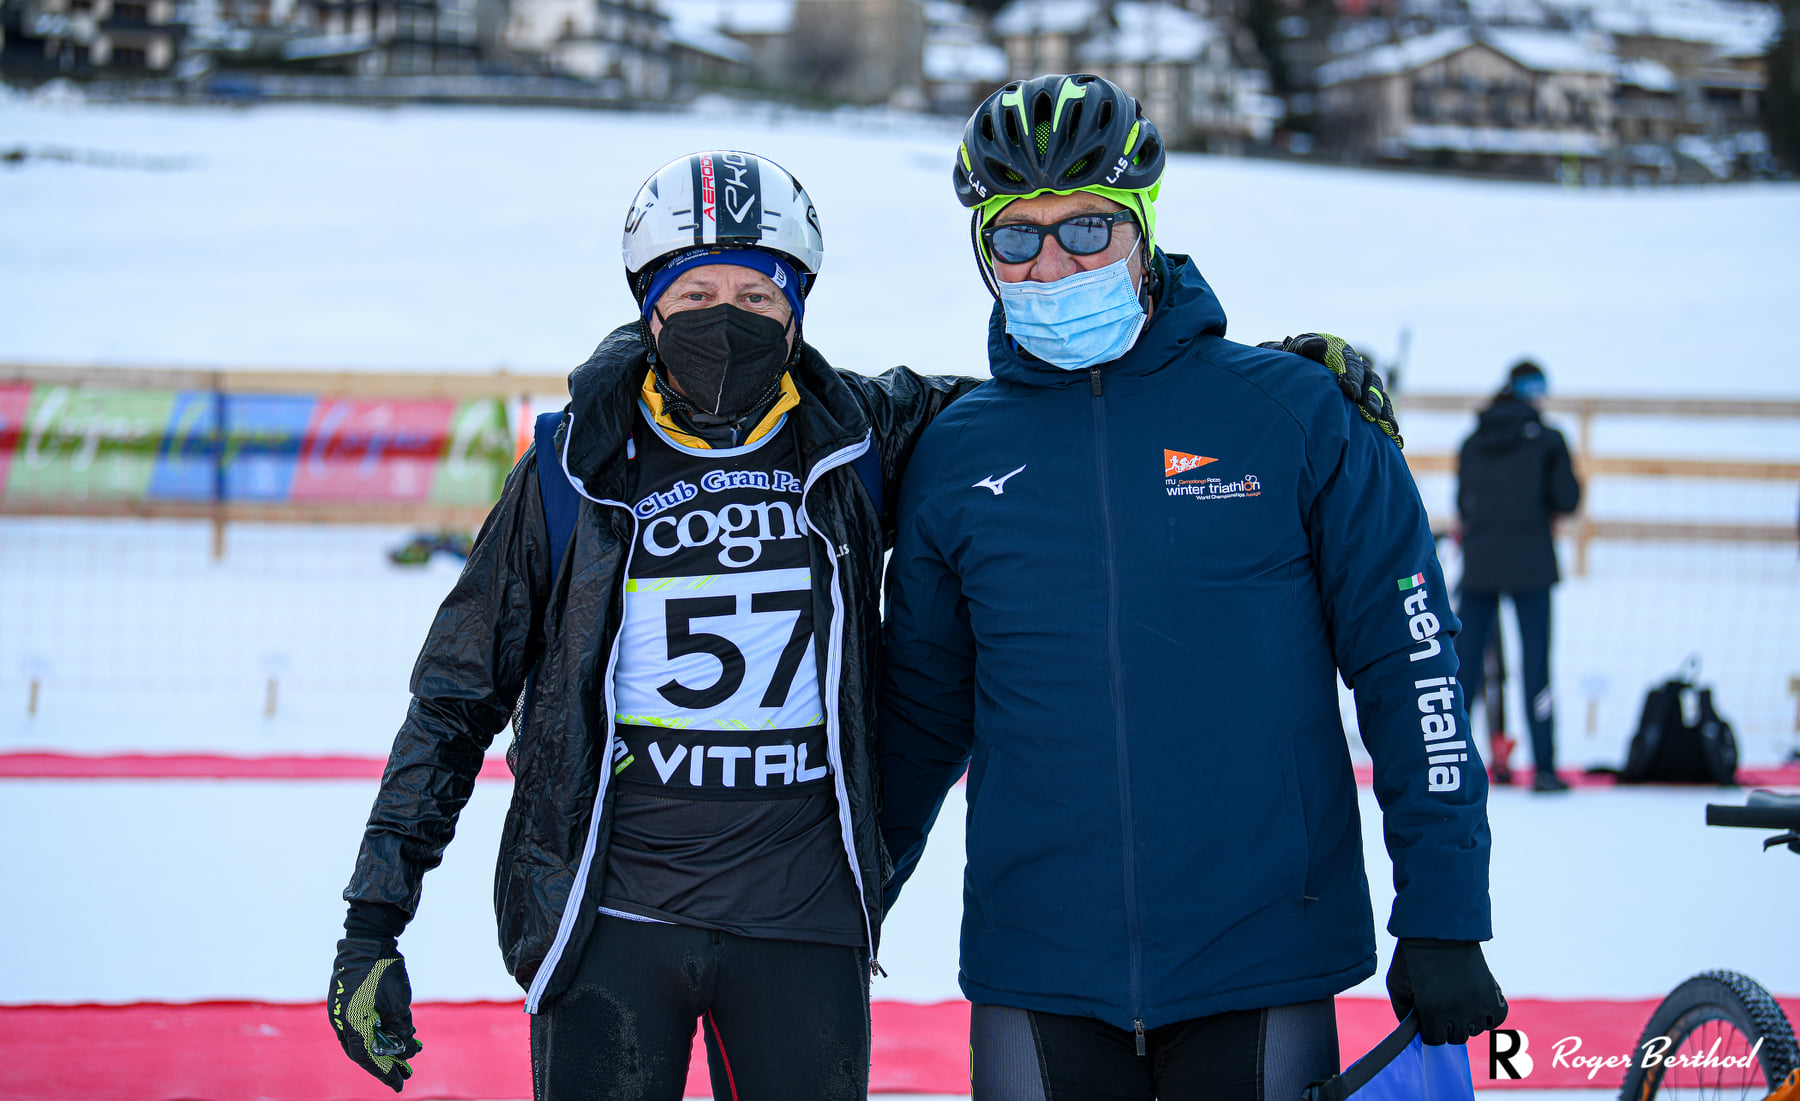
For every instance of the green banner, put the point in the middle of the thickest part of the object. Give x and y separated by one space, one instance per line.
478 453
81 445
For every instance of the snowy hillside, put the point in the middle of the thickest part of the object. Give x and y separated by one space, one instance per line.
419 237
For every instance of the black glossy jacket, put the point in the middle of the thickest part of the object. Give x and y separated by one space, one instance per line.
505 614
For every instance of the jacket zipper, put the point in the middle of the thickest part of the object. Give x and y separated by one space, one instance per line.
834 669
565 926
1116 680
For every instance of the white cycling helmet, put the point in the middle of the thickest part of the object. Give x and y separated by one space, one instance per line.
723 198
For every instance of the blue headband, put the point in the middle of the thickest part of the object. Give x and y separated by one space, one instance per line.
773 266
1529 387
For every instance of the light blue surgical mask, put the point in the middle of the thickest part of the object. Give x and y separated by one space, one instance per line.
1079 320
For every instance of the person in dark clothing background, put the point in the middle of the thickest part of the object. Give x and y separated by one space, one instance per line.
1514 477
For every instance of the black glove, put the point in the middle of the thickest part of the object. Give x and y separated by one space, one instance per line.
370 1003
1356 376
1448 985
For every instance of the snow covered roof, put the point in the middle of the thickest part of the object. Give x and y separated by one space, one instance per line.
1642 72
1150 32
1514 12
1396 57
948 13
1484 139
1548 51
957 62
1738 28
730 16
1040 16
705 40
1544 51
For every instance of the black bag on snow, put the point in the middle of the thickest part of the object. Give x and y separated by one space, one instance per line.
1668 749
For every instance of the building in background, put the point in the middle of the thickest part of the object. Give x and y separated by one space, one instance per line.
961 65
756 29
373 38
1180 64
1514 101
855 51
703 57
615 41
40 39
1512 86
862 51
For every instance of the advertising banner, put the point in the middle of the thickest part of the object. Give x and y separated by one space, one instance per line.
76 444
82 444
14 400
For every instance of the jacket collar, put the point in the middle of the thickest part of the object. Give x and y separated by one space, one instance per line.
1187 309
604 391
651 395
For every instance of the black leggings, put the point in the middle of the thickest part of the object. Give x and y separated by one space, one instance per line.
783 1019
1254 1055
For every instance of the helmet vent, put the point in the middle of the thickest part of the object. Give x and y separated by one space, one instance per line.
987 127
1011 126
1081 166
1000 170
1075 118
1148 150
1105 114
1041 107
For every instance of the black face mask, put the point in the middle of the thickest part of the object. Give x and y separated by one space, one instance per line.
723 360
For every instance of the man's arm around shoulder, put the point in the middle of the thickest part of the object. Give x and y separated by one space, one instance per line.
901 404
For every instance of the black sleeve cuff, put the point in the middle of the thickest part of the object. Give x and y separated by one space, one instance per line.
374 921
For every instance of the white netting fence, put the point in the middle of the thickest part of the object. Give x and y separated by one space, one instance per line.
119 635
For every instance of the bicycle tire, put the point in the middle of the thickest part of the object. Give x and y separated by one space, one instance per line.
1728 1000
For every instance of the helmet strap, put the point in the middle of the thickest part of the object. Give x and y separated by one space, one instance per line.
982 263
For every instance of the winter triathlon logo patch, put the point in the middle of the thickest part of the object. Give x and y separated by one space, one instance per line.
1180 462
1201 487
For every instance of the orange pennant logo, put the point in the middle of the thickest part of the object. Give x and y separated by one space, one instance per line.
1177 462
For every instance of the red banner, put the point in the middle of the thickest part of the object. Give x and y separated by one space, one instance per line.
371 450
14 400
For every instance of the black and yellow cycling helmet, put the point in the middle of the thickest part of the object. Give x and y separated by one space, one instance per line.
1059 133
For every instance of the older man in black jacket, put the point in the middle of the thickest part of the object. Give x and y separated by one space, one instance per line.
1514 479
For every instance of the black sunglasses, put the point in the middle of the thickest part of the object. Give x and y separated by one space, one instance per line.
1082 235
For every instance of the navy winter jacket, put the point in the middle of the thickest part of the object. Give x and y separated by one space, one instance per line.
1514 477
1120 598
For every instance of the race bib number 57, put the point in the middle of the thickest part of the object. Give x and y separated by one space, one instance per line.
719 652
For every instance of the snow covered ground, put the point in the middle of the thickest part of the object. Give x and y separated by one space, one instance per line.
1597 894
471 239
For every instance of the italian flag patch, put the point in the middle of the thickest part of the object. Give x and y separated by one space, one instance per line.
1412 582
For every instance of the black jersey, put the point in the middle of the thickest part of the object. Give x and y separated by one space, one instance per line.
725 814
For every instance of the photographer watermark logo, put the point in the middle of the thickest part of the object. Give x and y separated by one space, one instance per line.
1509 1059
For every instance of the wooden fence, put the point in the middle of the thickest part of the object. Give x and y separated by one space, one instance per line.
1584 410
515 390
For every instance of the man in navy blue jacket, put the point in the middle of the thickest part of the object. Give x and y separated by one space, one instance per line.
1127 573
